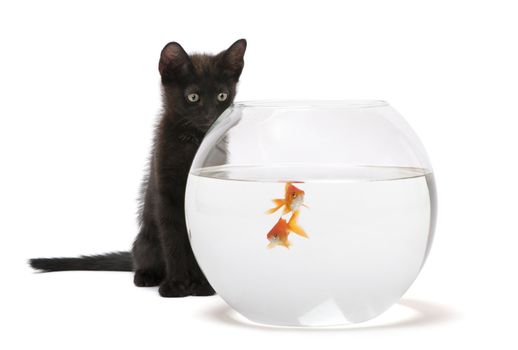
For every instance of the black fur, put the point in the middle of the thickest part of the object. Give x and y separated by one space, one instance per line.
118 261
161 253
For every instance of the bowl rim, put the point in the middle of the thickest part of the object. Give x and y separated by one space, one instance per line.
311 104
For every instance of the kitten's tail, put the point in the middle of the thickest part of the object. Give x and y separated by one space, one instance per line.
117 261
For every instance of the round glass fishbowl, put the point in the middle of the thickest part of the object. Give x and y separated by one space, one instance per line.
310 213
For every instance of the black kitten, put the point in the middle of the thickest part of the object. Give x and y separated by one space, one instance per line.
196 90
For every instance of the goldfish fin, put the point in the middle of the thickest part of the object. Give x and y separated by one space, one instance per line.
279 203
304 205
287 244
294 226
271 245
286 210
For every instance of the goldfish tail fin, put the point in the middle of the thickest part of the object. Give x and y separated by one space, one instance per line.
294 226
279 203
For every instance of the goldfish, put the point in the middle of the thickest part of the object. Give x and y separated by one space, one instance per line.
293 200
278 235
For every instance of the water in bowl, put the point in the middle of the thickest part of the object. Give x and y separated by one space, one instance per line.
369 232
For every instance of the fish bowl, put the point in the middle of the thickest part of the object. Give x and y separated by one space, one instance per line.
310 213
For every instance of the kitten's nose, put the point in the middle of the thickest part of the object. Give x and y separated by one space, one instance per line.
212 115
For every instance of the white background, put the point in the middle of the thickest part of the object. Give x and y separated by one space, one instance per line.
79 94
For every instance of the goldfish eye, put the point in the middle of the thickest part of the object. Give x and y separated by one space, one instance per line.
294 195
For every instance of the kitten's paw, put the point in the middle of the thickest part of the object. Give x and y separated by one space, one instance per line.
173 289
147 278
202 289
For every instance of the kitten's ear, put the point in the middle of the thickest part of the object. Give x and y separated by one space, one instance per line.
232 59
173 61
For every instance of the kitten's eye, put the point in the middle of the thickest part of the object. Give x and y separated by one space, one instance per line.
193 97
222 96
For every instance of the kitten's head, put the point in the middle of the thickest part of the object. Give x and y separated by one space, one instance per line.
199 87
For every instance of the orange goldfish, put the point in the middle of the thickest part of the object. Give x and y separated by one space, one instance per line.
278 235
293 199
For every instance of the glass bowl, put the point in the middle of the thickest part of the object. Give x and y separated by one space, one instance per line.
310 213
